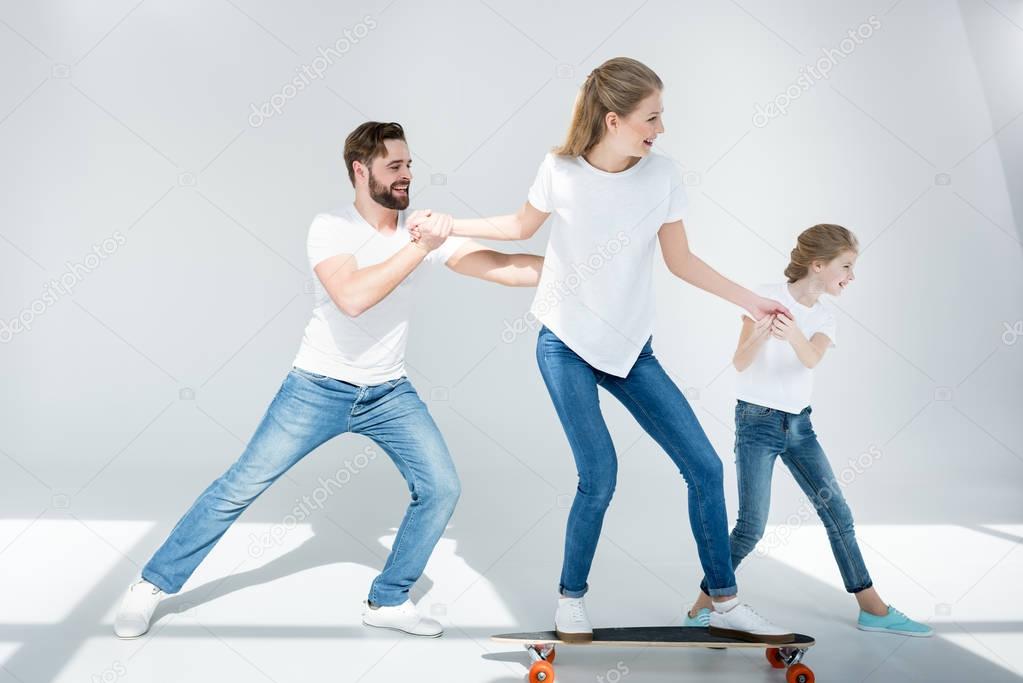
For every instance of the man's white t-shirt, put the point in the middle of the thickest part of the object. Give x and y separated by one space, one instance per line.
777 378
369 349
596 289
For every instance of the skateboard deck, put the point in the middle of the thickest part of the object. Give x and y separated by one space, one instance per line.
541 647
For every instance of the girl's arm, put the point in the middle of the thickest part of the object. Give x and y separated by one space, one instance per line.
520 225
690 268
752 337
809 351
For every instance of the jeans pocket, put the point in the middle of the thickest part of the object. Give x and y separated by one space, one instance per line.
753 410
315 376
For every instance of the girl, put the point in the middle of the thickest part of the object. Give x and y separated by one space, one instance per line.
610 200
775 357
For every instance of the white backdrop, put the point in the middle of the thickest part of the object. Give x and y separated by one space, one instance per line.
163 160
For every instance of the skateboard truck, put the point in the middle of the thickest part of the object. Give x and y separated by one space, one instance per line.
542 656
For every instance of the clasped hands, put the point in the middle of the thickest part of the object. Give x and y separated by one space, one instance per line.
429 229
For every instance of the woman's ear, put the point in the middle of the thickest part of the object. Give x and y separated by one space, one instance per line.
611 120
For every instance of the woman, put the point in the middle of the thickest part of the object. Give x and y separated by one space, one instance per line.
608 196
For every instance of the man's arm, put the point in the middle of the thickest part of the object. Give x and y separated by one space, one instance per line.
512 270
355 290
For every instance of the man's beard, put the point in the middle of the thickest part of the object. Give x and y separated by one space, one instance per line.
385 196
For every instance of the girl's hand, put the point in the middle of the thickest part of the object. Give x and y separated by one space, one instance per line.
762 307
785 328
762 327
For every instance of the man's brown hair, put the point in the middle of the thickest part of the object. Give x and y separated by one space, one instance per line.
366 143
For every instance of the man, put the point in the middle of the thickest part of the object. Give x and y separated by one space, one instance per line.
349 376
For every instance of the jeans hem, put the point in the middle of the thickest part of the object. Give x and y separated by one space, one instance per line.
869 584
573 594
147 576
721 592
386 603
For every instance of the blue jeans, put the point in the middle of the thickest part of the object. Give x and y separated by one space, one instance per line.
663 412
308 410
761 435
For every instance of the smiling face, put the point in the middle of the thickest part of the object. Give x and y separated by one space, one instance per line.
634 134
389 177
837 273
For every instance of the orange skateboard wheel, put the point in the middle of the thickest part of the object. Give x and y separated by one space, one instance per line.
799 673
541 672
774 657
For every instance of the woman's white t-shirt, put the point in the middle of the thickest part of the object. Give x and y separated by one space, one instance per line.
596 291
777 378
369 349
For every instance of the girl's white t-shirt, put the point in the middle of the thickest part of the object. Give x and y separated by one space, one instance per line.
596 291
777 378
369 349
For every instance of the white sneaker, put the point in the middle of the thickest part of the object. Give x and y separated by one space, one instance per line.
743 623
404 617
136 609
571 623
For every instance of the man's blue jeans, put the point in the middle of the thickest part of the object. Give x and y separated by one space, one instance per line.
308 410
663 412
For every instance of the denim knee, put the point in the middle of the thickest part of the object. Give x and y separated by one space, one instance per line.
443 490
598 490
749 533
709 473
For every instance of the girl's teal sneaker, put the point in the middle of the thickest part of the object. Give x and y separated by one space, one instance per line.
893 622
702 618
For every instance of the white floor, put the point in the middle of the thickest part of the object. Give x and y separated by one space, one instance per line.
276 602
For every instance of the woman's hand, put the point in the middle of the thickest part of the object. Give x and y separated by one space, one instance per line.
413 222
761 307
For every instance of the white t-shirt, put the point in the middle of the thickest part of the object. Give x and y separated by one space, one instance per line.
777 378
596 290
369 349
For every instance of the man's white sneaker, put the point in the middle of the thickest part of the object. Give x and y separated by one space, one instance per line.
743 623
404 617
571 623
136 609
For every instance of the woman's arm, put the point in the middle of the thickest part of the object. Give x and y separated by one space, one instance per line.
520 225
752 337
512 270
688 267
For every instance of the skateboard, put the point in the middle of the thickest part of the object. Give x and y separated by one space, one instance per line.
540 646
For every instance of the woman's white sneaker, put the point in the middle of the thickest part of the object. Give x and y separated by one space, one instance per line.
743 623
571 623
404 617
137 609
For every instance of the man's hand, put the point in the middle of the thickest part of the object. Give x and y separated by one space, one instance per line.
432 230
413 221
